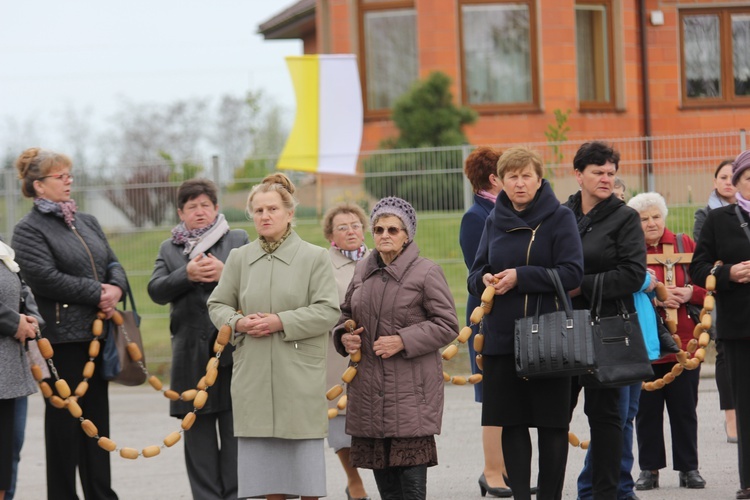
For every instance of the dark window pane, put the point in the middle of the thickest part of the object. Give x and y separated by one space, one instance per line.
702 56
592 53
741 53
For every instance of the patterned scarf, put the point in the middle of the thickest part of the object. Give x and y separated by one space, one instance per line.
66 210
7 256
487 195
742 202
199 240
354 255
271 246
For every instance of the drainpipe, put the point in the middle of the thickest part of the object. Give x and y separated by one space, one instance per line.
645 97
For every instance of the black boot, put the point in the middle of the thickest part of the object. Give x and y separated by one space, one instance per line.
414 482
389 483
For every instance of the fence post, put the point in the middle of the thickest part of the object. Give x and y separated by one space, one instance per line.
468 190
216 176
11 200
743 140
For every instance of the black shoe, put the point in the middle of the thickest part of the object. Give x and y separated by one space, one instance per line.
692 479
743 494
630 496
533 490
648 480
485 488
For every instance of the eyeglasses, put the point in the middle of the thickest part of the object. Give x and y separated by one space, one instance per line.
392 230
60 177
344 228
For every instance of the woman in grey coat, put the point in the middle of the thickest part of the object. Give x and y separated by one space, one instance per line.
186 271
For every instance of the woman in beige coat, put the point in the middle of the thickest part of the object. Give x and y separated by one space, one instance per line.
279 296
344 226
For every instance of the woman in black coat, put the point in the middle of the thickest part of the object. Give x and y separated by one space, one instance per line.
613 245
527 233
724 252
68 263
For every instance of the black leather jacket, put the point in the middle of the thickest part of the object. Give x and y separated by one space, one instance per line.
65 268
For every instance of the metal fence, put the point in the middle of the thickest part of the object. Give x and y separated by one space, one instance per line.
135 203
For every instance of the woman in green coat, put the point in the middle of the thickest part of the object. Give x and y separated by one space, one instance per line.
279 296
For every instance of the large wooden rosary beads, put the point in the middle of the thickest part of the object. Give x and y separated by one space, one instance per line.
64 398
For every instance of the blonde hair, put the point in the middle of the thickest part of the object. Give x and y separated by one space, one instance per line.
518 158
278 183
36 163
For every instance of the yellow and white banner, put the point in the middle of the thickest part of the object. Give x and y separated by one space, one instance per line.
327 131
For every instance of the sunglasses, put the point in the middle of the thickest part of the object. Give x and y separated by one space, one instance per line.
392 230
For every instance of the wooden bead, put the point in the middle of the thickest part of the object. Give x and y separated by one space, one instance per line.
45 348
334 392
211 375
94 348
477 315
188 421
100 315
480 361
74 408
172 395
573 439
486 307
704 339
107 444
450 351
488 295
697 330
475 379
155 382
189 395
89 428
692 364
98 327
661 292
669 378
658 383
350 325
677 340
332 413
134 351
446 377
710 282
46 389
212 363
36 372
585 444
88 369
201 385
81 389
649 386
341 405
677 370
62 388
356 357
706 321
349 374
700 354
692 345
200 400
218 347
681 357
458 380
117 318
464 334
129 453
150 451
478 342
172 439
57 401
671 325
225 333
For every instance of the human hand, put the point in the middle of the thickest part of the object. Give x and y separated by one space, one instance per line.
682 294
507 280
259 324
27 328
740 273
387 346
204 269
109 298
654 281
352 341
671 302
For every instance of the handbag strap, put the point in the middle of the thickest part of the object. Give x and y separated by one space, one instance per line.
743 222
560 291
596 301
129 292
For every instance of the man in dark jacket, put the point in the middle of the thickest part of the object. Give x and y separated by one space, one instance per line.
613 246
185 273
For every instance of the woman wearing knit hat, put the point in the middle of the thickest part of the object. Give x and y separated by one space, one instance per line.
405 313
723 252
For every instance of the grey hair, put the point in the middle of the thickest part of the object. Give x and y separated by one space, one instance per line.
619 183
644 201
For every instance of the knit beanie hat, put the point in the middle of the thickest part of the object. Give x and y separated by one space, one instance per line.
398 207
739 165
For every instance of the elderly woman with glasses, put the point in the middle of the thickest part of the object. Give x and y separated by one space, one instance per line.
404 312
344 226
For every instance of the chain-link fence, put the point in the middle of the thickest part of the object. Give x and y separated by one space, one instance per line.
136 203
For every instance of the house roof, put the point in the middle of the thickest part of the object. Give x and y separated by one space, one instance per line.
291 23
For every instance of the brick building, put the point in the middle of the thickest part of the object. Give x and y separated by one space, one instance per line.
517 61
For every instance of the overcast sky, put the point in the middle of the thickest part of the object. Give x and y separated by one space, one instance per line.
89 54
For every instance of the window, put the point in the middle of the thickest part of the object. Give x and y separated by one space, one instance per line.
388 41
499 55
594 55
715 56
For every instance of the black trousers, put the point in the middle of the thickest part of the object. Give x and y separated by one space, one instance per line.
7 430
211 456
67 446
737 352
723 383
553 455
601 406
681 400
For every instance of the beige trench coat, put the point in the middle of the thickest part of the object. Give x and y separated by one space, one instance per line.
278 382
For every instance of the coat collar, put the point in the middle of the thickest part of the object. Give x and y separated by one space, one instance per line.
339 260
484 203
285 253
398 267
544 204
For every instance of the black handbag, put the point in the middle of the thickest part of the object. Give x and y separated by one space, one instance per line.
556 344
621 355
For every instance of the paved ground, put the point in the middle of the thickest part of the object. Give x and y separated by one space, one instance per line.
139 419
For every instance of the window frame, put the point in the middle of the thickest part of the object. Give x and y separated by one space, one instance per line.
611 104
728 98
364 7
495 108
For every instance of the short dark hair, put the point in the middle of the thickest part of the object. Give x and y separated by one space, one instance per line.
595 153
479 165
722 165
193 188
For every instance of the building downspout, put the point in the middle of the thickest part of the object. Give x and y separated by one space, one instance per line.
645 98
